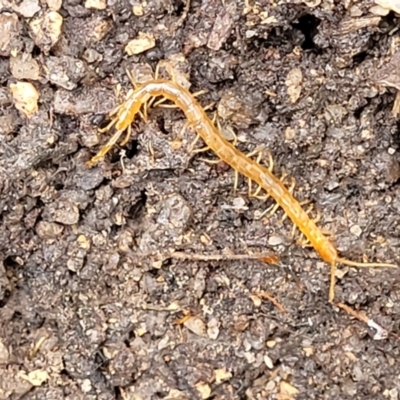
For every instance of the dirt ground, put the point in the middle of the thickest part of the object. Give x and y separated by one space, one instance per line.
92 306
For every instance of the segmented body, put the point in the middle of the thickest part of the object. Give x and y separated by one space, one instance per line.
199 120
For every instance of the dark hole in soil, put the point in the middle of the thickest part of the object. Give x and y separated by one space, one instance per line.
132 148
308 25
136 208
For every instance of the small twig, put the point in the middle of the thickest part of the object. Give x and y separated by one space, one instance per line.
275 302
269 258
380 334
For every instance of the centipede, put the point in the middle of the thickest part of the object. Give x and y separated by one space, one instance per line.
124 115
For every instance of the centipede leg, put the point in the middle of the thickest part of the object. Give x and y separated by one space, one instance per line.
134 84
199 93
270 162
128 135
212 162
273 210
160 102
109 126
146 106
157 71
270 210
293 231
303 241
196 139
249 183
235 138
257 191
332 282
208 106
236 182
202 150
317 218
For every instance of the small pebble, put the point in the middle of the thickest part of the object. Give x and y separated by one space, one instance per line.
25 97
23 66
356 230
275 240
47 30
268 362
10 34
96 4
143 42
137 10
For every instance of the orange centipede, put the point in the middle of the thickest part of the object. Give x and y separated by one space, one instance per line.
227 152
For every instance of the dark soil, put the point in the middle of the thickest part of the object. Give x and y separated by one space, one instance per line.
89 309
